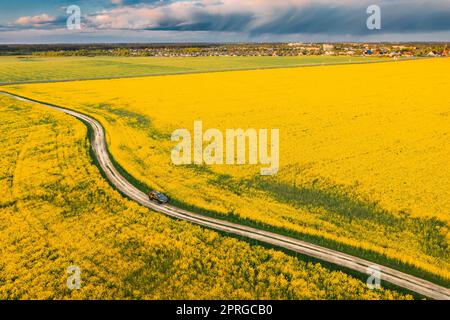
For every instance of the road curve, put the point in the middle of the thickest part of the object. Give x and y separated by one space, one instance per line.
98 144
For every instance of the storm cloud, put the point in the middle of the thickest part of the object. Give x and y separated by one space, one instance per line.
259 20
275 17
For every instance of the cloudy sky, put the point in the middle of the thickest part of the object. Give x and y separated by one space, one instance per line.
45 21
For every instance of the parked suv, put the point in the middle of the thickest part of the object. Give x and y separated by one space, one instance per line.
158 197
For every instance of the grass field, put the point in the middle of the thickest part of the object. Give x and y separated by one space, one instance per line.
18 69
56 210
364 158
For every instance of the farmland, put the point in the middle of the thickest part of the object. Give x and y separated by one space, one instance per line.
57 211
29 68
362 166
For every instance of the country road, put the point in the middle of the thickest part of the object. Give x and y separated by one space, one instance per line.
392 276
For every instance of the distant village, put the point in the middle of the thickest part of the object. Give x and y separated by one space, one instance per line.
403 50
376 50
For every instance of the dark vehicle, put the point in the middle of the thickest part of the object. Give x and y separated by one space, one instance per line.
158 197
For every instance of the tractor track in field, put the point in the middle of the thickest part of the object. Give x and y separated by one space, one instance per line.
100 151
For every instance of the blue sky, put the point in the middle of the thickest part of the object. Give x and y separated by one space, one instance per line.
44 21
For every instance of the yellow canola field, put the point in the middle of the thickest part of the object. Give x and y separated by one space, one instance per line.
57 211
364 148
